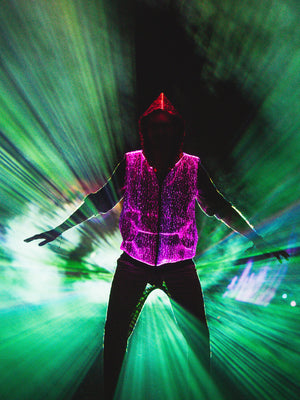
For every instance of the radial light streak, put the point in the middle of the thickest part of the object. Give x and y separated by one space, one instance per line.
255 46
252 347
49 348
159 363
65 69
60 111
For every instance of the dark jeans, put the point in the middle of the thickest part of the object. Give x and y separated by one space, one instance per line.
181 282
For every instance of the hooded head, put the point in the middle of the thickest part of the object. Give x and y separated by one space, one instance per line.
161 130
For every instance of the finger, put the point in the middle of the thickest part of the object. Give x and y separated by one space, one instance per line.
32 238
282 255
285 255
45 241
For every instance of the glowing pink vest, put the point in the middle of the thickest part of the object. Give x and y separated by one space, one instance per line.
158 224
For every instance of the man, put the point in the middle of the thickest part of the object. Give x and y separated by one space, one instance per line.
159 185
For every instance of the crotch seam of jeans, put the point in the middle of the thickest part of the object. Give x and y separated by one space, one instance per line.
135 315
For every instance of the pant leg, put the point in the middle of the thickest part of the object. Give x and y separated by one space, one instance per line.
186 294
127 288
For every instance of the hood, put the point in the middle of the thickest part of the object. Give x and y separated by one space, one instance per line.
162 103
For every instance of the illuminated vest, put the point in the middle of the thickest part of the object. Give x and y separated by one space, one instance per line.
158 224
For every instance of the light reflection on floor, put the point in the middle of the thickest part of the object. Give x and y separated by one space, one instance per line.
50 343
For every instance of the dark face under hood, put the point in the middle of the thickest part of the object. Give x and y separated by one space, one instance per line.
172 149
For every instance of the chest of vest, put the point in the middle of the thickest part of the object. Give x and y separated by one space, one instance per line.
157 222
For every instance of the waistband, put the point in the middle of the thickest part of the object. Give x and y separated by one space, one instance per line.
176 265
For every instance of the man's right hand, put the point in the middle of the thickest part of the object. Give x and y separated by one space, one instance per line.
47 237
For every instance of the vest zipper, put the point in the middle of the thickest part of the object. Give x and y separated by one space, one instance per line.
158 222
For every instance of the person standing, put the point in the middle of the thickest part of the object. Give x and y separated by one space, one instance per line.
160 186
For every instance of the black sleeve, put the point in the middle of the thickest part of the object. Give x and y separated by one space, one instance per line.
209 198
111 193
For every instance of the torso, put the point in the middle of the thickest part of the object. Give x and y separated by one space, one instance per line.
163 166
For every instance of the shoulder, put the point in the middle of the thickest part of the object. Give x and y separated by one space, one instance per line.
191 159
132 155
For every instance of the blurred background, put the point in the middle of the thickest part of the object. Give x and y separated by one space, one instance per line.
74 78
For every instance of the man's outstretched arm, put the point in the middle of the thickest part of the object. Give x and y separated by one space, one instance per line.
213 203
236 221
100 202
